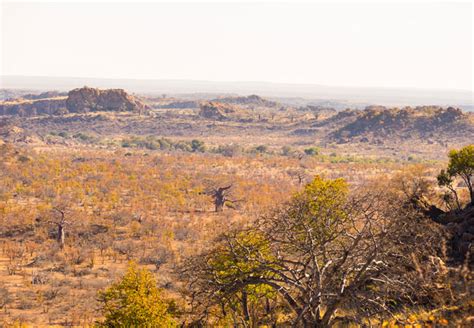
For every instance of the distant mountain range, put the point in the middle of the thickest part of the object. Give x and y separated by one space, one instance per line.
357 97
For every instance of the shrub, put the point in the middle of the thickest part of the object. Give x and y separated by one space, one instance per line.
311 151
198 146
261 149
135 301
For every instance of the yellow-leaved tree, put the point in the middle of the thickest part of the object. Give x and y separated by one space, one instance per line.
135 301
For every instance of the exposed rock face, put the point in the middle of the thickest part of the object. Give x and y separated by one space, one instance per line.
86 99
216 111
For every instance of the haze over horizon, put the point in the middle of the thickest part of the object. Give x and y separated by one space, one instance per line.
404 46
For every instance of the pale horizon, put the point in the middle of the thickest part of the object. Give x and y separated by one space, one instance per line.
404 46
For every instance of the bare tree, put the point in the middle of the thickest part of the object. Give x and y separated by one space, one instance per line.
324 256
299 174
221 196
60 223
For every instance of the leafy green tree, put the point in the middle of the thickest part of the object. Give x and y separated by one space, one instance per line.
461 164
446 180
135 301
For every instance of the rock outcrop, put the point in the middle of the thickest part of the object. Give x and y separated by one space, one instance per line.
399 124
80 100
83 100
215 110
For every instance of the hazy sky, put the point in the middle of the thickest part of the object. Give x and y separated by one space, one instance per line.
424 45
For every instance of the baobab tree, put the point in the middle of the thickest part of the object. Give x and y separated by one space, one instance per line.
60 223
221 197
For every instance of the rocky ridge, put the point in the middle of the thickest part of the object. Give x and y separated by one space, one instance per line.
81 100
382 123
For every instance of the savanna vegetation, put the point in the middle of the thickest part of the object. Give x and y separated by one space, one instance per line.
253 215
161 239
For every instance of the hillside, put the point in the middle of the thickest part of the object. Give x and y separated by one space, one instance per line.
401 124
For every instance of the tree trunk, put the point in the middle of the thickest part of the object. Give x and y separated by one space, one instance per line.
61 236
471 193
245 307
219 202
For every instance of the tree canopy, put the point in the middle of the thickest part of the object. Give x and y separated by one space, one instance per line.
461 164
135 301
323 252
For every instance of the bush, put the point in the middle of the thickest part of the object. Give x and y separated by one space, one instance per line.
135 301
198 146
261 149
311 151
229 150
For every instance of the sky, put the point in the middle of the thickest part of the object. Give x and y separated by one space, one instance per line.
405 44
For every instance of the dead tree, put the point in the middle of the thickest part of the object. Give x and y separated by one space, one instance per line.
60 224
221 197
300 175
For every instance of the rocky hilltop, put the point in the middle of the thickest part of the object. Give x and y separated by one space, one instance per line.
382 123
216 110
81 100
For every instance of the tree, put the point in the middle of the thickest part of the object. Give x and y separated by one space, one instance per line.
445 179
135 301
324 253
221 197
461 163
61 225
197 146
311 151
